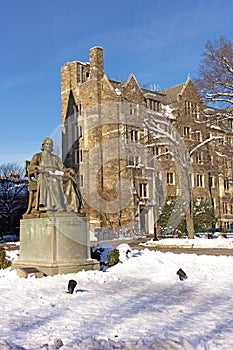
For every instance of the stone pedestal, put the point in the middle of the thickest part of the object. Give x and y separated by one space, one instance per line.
55 244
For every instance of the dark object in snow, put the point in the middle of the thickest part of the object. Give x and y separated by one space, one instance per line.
71 285
182 275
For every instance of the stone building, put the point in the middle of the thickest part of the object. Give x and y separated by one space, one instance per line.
133 147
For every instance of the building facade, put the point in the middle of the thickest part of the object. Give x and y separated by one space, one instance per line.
132 148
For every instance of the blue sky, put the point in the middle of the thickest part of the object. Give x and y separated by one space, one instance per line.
159 41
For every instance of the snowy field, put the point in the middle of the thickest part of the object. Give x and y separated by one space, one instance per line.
137 304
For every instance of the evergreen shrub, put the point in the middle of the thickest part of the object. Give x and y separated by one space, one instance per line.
4 263
113 257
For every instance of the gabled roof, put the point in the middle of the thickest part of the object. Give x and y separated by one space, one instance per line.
154 95
166 96
172 92
115 84
120 86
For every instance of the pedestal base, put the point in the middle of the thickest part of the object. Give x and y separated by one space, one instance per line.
55 244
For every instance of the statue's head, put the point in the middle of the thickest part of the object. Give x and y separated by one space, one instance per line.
47 143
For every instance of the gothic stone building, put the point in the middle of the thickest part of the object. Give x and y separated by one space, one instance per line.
131 152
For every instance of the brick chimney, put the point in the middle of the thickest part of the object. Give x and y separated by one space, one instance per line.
96 63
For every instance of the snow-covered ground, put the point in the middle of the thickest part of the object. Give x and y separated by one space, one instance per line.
216 242
139 304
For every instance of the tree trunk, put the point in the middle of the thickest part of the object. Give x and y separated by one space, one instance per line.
189 222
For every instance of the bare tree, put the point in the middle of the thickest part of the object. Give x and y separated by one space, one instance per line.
13 196
215 75
160 127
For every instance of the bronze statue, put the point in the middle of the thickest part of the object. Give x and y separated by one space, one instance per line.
53 186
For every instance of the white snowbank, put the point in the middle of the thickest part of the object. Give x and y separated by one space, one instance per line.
139 304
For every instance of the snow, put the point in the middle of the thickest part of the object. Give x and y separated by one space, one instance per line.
138 304
217 242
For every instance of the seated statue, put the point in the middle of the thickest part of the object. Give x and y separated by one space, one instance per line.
53 186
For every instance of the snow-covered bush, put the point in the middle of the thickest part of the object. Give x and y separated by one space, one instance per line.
107 256
125 252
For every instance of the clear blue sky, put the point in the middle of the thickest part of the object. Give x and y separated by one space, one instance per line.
159 41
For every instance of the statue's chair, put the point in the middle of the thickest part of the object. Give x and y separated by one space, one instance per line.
32 189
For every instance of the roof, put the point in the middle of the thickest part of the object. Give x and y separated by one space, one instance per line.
172 92
166 96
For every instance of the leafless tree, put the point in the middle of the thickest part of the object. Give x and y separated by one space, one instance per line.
160 127
13 196
215 75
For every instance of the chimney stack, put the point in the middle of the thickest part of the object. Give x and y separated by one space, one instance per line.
96 63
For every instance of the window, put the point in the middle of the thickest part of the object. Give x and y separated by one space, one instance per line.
211 181
132 109
200 180
198 136
154 105
231 208
224 208
230 123
134 160
167 154
226 184
199 157
229 140
143 190
221 140
187 132
134 135
188 107
227 225
79 109
196 112
170 179
192 109
80 131
80 180
78 156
